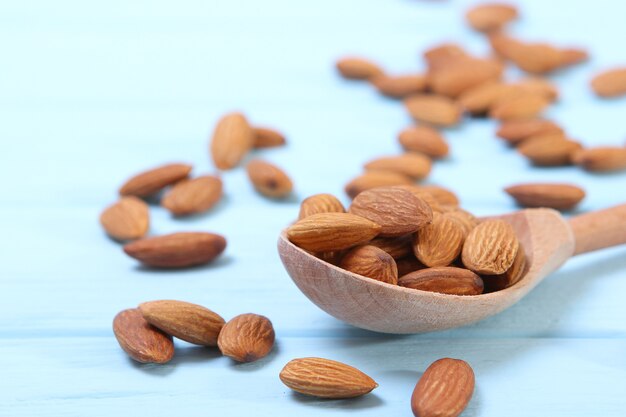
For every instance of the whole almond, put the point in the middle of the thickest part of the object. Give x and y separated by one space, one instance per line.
264 137
186 321
374 179
247 338
536 58
478 100
443 55
371 262
412 164
325 378
232 140
425 140
397 247
439 243
444 390
611 83
549 150
601 159
324 232
268 179
354 68
397 211
399 86
444 280
490 248
539 85
523 106
127 219
193 196
141 341
510 277
516 131
551 195
463 217
177 250
154 180
433 109
492 16
418 192
458 77
320 203
408 264
572 56
443 196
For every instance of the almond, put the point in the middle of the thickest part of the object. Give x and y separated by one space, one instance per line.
232 140
454 79
127 219
444 280
611 83
439 243
141 341
247 338
573 56
523 106
424 195
478 100
325 378
320 203
408 264
443 196
556 196
492 16
332 257
193 196
324 232
186 321
397 211
268 179
463 217
490 248
537 58
601 159
264 137
374 179
354 68
444 390
510 277
425 140
397 247
399 86
538 85
516 131
371 262
433 109
413 165
154 180
443 55
549 149
177 250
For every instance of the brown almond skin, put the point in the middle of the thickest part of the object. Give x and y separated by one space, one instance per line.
539 85
189 322
454 79
320 203
324 378
516 131
232 140
523 106
141 341
399 86
418 192
601 159
463 217
413 165
374 179
443 196
433 109
148 183
268 179
425 140
247 338
128 219
610 83
397 247
444 280
442 55
193 196
177 250
490 248
480 99
408 264
324 232
397 211
551 195
265 137
439 243
371 262
511 277
444 390
490 17
549 150
353 68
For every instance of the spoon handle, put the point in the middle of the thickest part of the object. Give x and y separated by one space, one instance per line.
599 229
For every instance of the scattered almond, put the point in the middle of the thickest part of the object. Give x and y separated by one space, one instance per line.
458 77
551 149
556 196
358 69
413 165
141 341
177 250
439 243
193 196
433 109
422 194
232 140
444 55
425 140
523 106
325 378
320 203
443 196
268 179
399 86
478 100
490 248
601 159
538 85
611 83
444 280
247 338
492 16
374 179
516 131
154 180
128 219
371 262
264 137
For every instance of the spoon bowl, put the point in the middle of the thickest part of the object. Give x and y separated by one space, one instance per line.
547 238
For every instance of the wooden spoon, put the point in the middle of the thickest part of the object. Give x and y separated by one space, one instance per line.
548 239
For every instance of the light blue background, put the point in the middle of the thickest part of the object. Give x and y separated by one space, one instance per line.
91 92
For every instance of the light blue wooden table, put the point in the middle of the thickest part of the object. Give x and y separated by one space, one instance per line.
91 92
